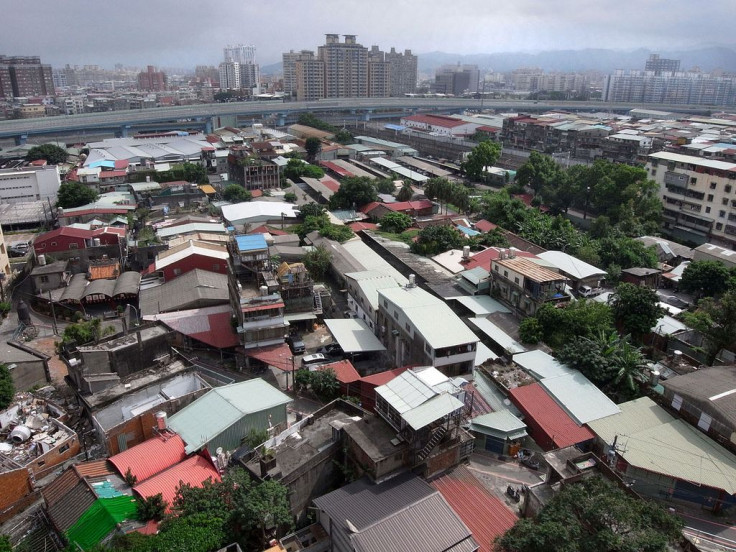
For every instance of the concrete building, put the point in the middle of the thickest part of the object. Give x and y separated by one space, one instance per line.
403 70
151 80
660 65
191 255
4 264
289 62
710 252
346 67
29 183
525 285
457 79
692 88
407 326
363 290
24 76
697 195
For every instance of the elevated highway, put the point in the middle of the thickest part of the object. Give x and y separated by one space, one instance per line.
206 115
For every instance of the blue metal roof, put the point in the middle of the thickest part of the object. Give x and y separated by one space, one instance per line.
251 242
467 231
394 127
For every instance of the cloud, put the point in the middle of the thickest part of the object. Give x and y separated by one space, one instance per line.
185 33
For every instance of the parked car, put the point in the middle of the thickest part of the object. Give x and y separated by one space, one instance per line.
313 360
527 458
296 344
332 350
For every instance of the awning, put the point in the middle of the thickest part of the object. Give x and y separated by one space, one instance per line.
354 335
278 356
296 316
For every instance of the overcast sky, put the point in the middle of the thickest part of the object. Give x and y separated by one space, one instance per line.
185 33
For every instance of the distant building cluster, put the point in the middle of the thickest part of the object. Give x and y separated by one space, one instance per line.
457 79
348 70
663 82
239 70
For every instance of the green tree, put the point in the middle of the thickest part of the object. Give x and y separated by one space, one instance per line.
437 239
7 387
311 210
593 514
261 507
579 318
353 191
82 333
705 278
235 193
317 261
485 154
530 330
52 153
152 507
395 222
636 308
384 185
256 437
343 136
194 533
5 545
324 384
313 146
194 172
538 171
290 197
74 194
716 320
405 193
308 119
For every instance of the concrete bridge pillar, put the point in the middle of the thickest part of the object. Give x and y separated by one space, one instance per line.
21 139
208 126
124 131
280 119
367 115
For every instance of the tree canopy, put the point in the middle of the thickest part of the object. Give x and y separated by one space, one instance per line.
235 193
296 168
437 239
313 146
354 191
74 194
557 326
308 119
716 320
539 171
705 278
405 193
52 153
7 388
485 154
317 261
636 308
395 222
593 514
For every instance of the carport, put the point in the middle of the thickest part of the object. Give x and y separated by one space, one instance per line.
354 336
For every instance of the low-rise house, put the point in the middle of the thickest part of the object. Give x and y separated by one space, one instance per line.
250 255
196 289
498 432
28 367
363 293
189 256
407 326
259 314
711 252
65 239
578 272
224 416
525 285
49 276
639 276
256 213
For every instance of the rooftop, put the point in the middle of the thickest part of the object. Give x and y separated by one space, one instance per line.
353 335
579 397
572 266
712 389
530 269
251 242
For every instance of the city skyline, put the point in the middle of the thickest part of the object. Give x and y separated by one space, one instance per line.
172 34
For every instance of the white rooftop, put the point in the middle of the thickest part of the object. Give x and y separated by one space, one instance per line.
353 335
255 209
541 365
572 266
497 335
580 398
694 160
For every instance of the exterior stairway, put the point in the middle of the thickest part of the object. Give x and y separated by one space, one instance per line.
437 436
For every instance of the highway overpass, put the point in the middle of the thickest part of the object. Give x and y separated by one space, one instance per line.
206 115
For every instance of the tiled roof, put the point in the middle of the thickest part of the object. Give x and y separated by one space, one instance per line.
344 370
382 378
484 514
485 226
150 457
68 509
530 269
193 471
536 404
94 468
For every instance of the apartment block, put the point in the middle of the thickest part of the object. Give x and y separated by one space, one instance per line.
23 76
697 195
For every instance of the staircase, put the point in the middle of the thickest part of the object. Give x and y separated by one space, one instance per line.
437 436
317 303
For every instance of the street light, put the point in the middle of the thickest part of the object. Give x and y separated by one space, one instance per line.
137 314
585 208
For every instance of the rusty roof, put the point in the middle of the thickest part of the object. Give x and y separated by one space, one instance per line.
95 468
530 269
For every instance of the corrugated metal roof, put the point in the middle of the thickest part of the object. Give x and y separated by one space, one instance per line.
94 468
196 288
535 403
497 335
193 471
434 409
579 397
484 514
150 457
480 304
405 392
712 389
541 365
501 422
127 283
530 269
353 335
344 370
210 325
572 266
68 509
59 487
100 519
650 439
251 242
218 409
693 160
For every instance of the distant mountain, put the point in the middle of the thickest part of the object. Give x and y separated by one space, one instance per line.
272 69
706 58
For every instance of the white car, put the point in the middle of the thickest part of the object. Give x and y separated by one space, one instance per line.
311 360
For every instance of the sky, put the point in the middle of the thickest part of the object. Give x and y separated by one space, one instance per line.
186 33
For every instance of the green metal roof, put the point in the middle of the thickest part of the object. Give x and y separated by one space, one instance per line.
101 518
499 424
221 407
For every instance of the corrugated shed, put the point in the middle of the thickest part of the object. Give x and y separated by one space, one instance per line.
541 411
579 397
59 487
150 457
484 514
193 471
66 511
100 519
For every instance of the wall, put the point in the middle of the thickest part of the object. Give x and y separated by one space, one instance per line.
312 479
28 374
195 261
15 485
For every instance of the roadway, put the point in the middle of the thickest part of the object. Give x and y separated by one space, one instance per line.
111 119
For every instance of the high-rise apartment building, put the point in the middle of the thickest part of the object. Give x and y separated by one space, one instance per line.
239 70
457 79
681 88
403 68
661 65
151 80
23 76
348 70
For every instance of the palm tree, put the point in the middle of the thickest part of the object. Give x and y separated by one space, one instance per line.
629 365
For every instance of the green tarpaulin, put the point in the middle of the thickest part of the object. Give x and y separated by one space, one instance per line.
101 518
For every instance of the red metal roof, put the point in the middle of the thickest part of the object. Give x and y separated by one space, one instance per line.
150 457
263 307
483 258
435 120
193 471
485 226
536 404
382 378
484 514
368 207
121 163
410 205
330 183
358 226
210 325
344 370
263 229
276 355
336 168
98 211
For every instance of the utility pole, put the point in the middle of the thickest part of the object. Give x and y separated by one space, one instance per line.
53 315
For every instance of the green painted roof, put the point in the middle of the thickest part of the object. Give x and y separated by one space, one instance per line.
220 408
101 518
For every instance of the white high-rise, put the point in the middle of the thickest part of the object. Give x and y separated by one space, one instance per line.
240 71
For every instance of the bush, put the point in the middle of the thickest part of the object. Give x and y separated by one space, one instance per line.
530 330
290 197
152 507
7 388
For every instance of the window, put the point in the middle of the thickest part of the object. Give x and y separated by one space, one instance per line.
64 448
53 244
44 279
728 188
506 273
408 327
710 197
707 209
693 180
73 246
396 315
712 185
516 280
704 422
724 201
719 226
677 402
721 214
